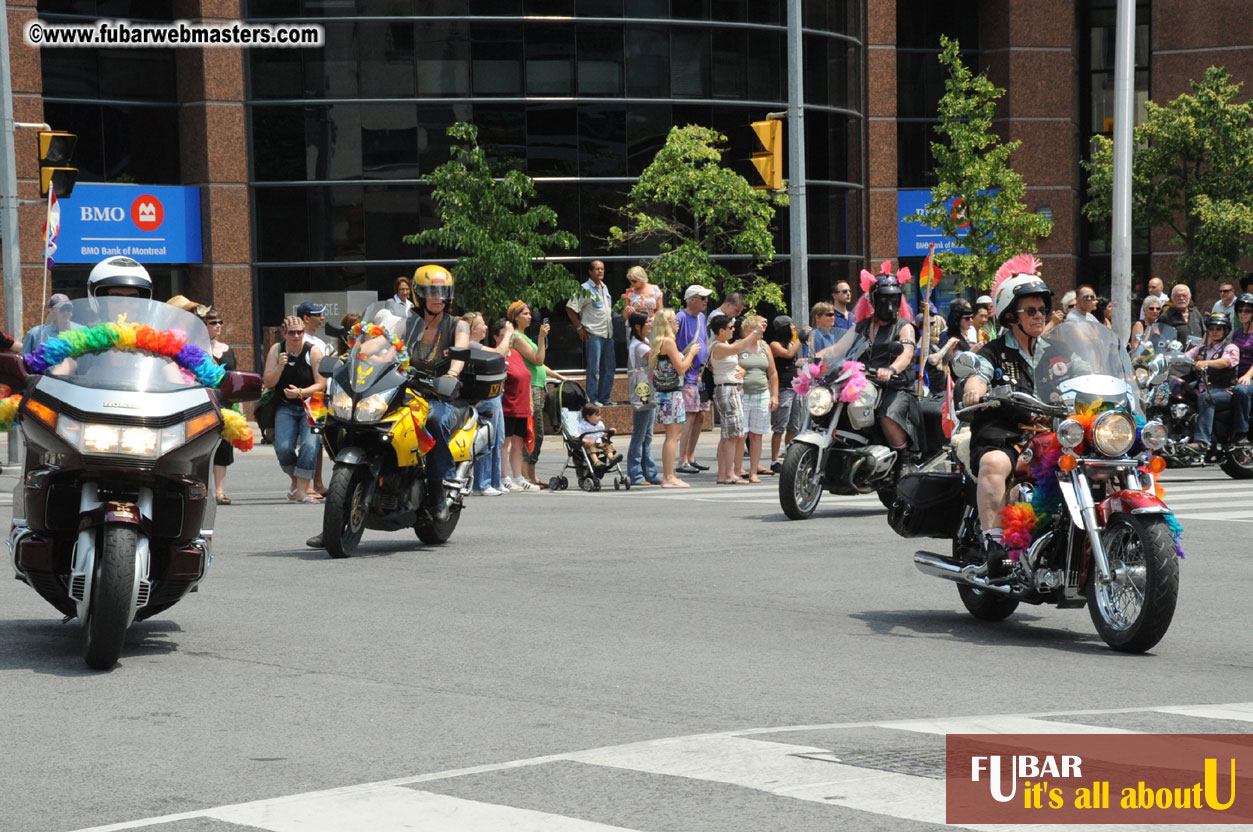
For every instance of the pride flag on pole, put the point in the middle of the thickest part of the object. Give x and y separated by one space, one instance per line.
930 271
52 225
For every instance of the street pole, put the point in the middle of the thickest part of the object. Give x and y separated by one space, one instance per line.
8 202
799 238
1124 87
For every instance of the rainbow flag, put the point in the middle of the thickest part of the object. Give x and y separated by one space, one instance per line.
315 409
930 271
425 441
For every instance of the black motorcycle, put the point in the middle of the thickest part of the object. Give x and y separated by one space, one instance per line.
842 449
375 430
113 521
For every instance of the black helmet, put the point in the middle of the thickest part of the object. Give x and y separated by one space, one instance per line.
1244 300
1218 319
885 285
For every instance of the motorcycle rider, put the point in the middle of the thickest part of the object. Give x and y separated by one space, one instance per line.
889 357
1219 357
119 277
1022 302
433 292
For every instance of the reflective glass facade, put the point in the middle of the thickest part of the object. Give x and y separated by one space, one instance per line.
581 92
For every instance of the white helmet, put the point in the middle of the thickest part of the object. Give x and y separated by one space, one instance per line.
1016 278
119 273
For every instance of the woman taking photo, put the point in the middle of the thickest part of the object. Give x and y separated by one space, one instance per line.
641 296
533 354
641 469
516 404
728 399
668 366
291 369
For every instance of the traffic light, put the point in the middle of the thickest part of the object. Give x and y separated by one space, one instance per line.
56 148
769 162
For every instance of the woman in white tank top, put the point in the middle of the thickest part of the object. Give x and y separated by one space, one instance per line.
725 365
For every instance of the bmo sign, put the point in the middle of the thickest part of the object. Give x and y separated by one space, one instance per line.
152 223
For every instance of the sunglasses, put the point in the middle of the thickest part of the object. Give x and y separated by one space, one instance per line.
1227 291
1033 311
968 317
843 291
291 333
826 314
1087 297
1217 328
214 323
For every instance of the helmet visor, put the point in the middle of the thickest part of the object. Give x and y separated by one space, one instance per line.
442 290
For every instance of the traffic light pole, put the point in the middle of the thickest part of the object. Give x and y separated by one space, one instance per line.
799 238
8 202
1124 120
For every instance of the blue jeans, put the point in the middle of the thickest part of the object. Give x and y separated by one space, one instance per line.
640 464
440 424
1205 413
599 355
487 469
295 447
1243 396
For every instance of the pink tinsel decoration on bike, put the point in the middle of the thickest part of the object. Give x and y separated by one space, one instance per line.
808 375
855 384
865 309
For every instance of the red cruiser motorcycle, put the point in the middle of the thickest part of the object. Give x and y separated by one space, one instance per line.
1086 524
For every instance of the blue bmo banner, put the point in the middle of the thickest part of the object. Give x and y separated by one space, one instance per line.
151 223
913 239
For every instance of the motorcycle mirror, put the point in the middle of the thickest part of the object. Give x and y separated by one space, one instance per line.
328 365
969 364
13 370
1193 340
238 386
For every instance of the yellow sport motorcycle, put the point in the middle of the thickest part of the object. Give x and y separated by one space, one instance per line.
375 430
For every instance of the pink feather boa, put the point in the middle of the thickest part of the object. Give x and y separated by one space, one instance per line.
854 386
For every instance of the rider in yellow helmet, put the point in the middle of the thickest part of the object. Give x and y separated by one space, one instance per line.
433 292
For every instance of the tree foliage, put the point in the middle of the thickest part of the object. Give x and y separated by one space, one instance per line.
502 239
972 165
692 207
1192 172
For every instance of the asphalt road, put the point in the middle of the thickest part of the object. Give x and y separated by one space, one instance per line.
580 661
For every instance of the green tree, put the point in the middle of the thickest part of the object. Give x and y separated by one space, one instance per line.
1192 172
972 165
692 208
502 239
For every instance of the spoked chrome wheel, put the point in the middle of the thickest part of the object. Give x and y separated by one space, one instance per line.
800 482
1133 611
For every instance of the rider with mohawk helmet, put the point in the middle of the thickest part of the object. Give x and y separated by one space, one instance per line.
1021 303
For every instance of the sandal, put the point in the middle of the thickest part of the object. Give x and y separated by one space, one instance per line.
310 498
223 500
293 496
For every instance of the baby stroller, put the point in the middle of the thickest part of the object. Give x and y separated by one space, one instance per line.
563 408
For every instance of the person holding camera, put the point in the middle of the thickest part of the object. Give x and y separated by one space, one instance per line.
291 369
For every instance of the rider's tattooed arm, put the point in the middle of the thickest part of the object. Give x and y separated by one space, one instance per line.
461 338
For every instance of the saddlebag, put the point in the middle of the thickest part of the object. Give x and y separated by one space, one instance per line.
927 504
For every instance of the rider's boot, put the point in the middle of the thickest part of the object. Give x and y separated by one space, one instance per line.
997 558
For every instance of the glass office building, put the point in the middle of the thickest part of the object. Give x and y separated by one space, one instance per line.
581 92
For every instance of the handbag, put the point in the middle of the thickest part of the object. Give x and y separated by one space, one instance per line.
666 379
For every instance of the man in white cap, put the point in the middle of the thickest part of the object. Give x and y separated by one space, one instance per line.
692 327
313 314
57 316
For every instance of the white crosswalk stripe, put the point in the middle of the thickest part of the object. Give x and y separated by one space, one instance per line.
838 774
1224 500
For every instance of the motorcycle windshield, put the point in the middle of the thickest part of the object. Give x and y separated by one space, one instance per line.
1157 338
849 346
386 327
125 343
1083 364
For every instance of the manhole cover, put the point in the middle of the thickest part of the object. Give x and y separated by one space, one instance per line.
919 762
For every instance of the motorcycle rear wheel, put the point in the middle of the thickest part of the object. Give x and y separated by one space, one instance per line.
800 483
433 533
1234 468
1133 613
343 520
985 605
112 589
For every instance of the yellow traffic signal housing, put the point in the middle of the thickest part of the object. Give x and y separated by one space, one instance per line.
56 149
769 162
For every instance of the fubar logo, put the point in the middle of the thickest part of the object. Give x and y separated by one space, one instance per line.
147 212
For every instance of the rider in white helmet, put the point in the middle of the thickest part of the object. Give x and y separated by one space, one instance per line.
119 277
1021 303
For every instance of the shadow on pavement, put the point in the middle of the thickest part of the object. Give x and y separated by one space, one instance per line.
1015 631
819 514
45 645
370 549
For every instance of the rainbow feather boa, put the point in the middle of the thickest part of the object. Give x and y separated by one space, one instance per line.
8 410
376 331
235 430
131 337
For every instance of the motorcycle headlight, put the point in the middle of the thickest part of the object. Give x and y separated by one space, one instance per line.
96 438
1153 435
1114 432
371 408
1070 433
820 401
1142 376
341 405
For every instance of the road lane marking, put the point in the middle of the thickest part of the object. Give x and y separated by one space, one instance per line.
997 725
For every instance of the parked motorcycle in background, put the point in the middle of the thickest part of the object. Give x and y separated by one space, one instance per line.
842 450
113 522
1164 376
1086 523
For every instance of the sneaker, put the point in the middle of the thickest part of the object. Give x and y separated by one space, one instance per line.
699 467
513 485
476 493
491 492
527 485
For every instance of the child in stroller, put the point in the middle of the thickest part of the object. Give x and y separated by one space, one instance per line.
588 450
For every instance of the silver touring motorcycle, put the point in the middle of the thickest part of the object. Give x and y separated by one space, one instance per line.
113 518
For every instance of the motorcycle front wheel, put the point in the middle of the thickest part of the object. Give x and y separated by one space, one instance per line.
1133 612
112 588
800 481
432 532
343 520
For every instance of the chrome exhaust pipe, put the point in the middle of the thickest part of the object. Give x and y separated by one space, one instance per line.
938 566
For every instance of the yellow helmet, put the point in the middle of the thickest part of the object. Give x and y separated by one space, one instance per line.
432 281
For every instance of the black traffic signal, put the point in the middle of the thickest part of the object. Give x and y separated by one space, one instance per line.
769 163
56 148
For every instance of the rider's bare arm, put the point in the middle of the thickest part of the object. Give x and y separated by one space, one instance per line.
461 338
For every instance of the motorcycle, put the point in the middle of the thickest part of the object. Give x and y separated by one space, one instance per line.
375 432
1162 371
113 520
1086 523
842 450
